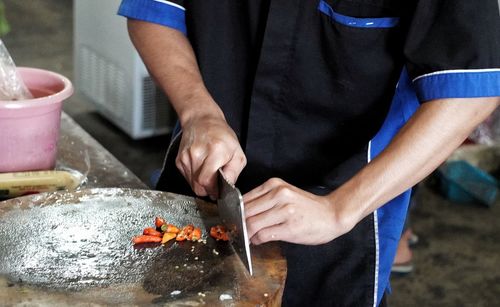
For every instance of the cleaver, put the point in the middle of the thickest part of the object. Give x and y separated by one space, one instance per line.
231 211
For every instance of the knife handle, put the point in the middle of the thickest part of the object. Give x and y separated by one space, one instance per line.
25 183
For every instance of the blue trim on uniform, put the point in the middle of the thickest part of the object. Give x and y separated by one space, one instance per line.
385 22
155 12
391 216
177 129
458 85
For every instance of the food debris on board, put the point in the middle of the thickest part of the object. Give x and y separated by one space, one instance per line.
176 292
164 232
225 297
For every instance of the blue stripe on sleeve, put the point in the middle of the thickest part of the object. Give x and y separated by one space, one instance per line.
155 12
355 22
458 84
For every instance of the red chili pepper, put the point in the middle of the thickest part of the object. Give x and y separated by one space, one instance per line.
150 231
196 234
219 232
180 236
146 239
159 222
185 233
169 228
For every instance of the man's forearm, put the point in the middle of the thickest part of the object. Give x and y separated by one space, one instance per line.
436 129
208 143
170 59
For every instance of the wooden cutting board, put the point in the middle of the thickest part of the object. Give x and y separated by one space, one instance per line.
75 248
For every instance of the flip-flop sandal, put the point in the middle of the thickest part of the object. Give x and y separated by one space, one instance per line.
413 239
402 268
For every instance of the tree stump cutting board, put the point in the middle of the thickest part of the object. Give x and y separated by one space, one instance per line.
75 248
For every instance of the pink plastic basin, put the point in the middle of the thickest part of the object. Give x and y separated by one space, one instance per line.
29 129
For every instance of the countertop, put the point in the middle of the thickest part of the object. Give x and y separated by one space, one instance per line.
79 151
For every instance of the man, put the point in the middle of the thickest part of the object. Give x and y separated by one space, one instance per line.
296 101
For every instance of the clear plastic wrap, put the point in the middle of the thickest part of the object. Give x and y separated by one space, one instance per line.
12 86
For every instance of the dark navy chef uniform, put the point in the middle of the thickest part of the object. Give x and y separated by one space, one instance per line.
315 89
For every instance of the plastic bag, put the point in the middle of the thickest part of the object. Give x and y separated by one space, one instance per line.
488 132
12 86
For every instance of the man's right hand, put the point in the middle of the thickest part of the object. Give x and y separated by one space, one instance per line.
208 143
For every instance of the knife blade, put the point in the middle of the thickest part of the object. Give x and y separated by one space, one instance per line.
232 213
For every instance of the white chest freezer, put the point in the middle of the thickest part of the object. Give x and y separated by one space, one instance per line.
110 73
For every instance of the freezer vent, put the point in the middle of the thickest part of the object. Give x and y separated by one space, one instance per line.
157 112
105 83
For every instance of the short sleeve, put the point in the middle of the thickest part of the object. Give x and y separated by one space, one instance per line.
163 12
453 49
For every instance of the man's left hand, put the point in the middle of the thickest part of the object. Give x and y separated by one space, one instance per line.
278 211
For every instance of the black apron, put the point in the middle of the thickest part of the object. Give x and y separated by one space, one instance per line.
304 95
306 84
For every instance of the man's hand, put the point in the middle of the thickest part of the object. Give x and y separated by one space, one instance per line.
208 143
278 211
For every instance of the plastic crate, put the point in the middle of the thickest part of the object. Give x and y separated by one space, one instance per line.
462 182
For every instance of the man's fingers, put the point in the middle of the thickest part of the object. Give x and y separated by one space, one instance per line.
258 205
188 164
272 233
265 219
207 175
182 163
219 158
268 194
199 189
206 146
263 189
267 235
232 169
